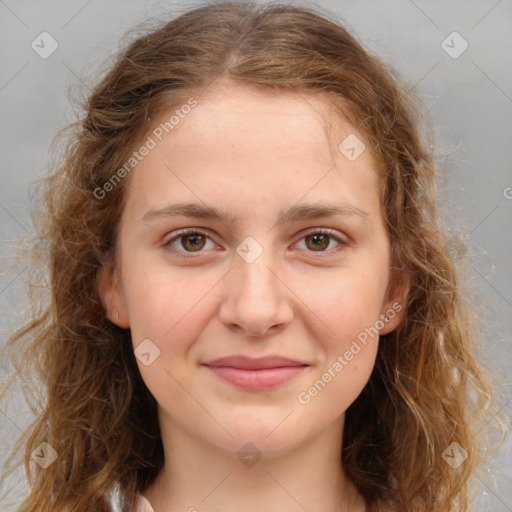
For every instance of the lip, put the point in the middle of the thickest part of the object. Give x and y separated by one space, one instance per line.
254 363
255 373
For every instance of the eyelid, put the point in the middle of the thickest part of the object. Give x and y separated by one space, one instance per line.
334 234
328 231
177 234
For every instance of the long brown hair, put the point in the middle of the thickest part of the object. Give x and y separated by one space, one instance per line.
426 391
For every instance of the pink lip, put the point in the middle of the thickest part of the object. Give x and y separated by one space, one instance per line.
262 373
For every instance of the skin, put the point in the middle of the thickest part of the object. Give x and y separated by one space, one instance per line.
254 155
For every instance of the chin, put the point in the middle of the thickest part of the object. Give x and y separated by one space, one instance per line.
263 437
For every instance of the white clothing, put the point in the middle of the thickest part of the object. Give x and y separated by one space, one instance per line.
143 504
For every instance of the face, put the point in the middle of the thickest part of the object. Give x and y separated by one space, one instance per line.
295 264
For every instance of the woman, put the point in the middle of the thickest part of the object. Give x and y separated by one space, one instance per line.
251 302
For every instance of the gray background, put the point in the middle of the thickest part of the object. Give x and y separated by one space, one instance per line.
469 98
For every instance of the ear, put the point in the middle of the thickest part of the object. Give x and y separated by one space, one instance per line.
112 296
395 303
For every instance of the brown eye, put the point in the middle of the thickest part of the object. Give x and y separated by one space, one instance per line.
317 242
193 242
320 241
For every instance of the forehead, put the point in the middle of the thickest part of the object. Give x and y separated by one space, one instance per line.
265 149
244 116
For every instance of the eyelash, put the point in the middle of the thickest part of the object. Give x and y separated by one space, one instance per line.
193 231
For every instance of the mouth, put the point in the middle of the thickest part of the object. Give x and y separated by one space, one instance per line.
255 374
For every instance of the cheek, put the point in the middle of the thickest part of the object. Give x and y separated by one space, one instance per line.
348 364
341 383
172 315
351 310
348 303
168 309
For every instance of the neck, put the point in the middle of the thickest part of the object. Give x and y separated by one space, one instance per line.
198 476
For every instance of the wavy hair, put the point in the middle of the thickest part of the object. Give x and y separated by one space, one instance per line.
90 403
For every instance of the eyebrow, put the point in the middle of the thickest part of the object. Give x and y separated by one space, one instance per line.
295 213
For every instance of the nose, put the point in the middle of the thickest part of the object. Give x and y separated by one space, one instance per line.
256 300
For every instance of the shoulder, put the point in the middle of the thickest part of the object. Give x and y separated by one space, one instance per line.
143 504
